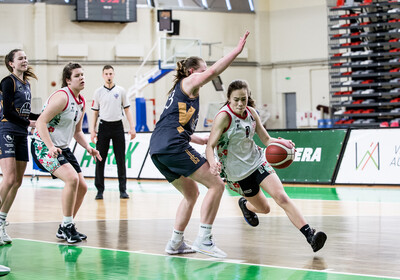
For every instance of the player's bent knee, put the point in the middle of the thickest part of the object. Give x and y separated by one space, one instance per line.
282 199
266 209
73 180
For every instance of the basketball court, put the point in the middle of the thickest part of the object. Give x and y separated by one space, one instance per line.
126 238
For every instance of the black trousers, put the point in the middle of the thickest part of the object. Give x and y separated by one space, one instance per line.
111 131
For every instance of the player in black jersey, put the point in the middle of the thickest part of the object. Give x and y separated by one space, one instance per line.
182 165
16 116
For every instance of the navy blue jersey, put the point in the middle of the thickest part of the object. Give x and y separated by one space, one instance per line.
176 124
15 101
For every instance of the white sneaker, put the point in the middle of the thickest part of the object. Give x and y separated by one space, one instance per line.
1 234
207 246
4 236
4 270
181 247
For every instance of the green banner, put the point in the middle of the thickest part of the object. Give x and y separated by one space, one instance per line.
317 152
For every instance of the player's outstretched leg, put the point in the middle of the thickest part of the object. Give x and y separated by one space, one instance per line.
250 217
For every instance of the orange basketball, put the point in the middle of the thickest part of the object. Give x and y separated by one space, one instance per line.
280 154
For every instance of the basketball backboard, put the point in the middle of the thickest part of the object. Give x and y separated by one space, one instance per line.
174 49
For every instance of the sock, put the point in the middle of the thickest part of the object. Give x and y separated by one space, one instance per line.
307 232
204 230
3 216
177 235
66 221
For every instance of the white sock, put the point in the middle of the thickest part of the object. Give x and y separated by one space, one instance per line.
177 235
66 221
204 230
3 216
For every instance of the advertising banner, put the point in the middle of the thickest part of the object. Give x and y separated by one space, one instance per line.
372 156
317 153
135 152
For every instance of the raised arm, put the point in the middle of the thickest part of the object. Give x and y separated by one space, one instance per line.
196 80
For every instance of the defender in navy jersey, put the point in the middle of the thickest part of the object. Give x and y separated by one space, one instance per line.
243 164
172 129
16 116
182 165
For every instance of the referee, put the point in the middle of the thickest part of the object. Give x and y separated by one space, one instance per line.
109 102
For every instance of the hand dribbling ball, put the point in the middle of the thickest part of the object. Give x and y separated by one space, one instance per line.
280 154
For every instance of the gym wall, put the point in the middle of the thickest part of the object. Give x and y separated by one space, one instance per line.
288 39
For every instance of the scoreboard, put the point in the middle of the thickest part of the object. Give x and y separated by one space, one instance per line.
106 10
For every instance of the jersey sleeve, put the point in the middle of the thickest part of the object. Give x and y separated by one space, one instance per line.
124 99
95 102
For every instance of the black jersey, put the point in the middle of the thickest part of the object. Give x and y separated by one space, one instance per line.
15 105
176 124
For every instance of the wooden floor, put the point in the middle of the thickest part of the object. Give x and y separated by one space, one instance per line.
362 224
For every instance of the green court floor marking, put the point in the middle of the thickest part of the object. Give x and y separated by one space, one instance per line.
40 260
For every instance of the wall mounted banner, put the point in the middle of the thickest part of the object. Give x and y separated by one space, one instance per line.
135 153
317 153
372 156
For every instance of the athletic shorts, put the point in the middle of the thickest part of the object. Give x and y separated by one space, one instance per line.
250 186
173 166
15 146
40 154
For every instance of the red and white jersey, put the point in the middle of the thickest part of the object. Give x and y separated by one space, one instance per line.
62 127
238 154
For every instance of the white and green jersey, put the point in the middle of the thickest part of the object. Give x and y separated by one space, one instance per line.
62 127
238 154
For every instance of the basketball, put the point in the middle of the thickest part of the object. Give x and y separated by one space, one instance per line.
280 154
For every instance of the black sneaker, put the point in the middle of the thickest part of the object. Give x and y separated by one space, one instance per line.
249 216
99 196
81 235
68 233
317 240
123 195
60 235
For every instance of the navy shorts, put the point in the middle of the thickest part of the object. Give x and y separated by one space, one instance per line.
251 184
173 166
15 146
53 163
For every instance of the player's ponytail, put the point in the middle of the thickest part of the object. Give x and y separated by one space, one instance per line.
183 69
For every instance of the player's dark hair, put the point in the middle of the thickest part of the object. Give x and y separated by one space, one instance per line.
67 72
182 68
240 84
10 58
108 66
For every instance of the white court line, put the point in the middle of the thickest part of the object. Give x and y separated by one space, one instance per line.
218 260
